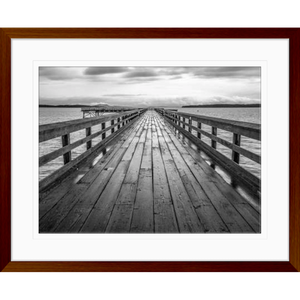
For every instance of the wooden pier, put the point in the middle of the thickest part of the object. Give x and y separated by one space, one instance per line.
148 179
96 111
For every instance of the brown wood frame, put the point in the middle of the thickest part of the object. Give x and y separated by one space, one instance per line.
6 34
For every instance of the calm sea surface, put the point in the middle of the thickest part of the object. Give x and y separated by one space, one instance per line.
53 115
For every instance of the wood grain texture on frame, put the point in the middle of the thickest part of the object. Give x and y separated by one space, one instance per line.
6 34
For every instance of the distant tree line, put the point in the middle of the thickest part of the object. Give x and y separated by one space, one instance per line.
223 105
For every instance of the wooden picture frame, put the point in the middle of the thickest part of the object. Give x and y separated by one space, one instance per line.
6 34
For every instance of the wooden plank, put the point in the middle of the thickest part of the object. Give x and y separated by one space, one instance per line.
241 205
236 140
199 127
203 168
206 212
198 171
185 214
100 213
154 138
65 142
75 219
81 175
121 216
147 154
188 152
143 214
250 130
164 215
135 164
77 215
129 153
88 132
51 199
103 126
123 143
232 218
213 142
53 130
236 148
55 197
112 122
85 173
68 147
236 170
52 218
143 135
187 218
56 175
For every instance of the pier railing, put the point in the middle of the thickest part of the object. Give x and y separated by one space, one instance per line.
118 123
185 123
98 110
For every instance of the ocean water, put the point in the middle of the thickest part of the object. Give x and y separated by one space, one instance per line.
54 115
251 114
49 115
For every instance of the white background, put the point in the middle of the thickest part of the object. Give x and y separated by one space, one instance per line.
271 55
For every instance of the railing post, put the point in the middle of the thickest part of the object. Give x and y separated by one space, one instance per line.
190 125
214 132
88 132
236 141
65 142
199 134
103 125
119 125
112 122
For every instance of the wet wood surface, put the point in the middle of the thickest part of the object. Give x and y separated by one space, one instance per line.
149 182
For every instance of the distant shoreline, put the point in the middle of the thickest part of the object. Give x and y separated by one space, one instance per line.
65 106
185 106
223 105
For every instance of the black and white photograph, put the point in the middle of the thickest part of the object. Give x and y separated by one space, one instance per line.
150 149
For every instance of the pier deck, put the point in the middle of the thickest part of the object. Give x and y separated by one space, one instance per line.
148 182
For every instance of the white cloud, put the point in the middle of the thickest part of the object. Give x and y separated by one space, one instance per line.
157 86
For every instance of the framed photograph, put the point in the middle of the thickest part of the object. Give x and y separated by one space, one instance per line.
149 149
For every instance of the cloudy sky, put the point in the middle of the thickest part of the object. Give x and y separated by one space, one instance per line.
149 86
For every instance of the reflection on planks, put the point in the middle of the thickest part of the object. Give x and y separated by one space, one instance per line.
149 182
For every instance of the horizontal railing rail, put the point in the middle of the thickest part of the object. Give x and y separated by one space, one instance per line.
185 123
118 123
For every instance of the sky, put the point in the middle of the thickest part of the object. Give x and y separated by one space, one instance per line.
149 86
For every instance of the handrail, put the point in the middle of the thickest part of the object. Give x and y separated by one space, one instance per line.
119 122
184 123
247 129
53 130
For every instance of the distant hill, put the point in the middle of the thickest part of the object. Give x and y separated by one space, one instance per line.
102 106
67 106
223 105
